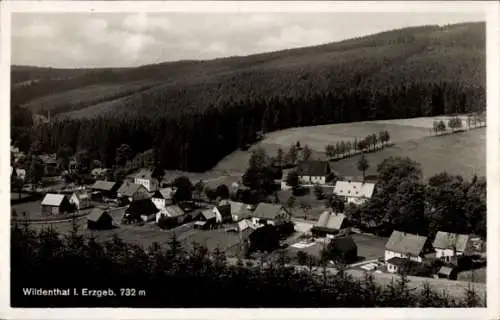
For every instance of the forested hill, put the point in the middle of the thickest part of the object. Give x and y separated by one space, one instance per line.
191 110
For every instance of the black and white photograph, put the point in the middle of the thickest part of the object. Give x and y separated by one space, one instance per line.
250 158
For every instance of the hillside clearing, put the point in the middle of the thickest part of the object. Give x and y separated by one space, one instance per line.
460 153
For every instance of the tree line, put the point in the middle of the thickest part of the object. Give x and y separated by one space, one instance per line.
172 276
369 143
197 139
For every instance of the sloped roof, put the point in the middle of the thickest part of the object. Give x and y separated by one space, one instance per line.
225 211
313 168
96 214
104 185
173 211
52 199
354 189
165 193
129 189
142 207
267 210
344 244
236 207
445 270
244 224
447 240
331 220
143 174
208 214
406 243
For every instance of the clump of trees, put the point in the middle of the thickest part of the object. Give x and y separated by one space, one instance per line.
403 201
37 259
370 143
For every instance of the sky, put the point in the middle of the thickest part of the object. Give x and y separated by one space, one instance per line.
78 40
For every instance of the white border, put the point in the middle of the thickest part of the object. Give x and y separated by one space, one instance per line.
493 158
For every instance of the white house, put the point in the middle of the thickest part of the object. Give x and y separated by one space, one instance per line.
401 247
313 172
355 192
81 200
143 177
162 197
448 245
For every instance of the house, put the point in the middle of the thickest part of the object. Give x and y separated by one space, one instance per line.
344 248
355 192
132 191
223 212
207 219
49 163
174 213
329 224
141 210
313 172
448 272
404 246
99 219
144 178
56 204
105 188
448 245
268 213
162 197
81 200
239 210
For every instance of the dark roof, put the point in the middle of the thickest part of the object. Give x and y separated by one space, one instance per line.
267 210
447 240
105 185
344 244
406 243
225 211
142 207
400 262
129 189
313 168
96 214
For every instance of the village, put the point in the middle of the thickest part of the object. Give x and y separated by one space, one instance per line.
302 214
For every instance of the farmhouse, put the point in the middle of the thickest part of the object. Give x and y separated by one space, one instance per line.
81 200
313 172
344 248
403 248
447 272
449 245
99 219
105 188
355 192
162 197
269 214
239 210
144 178
223 212
56 204
141 209
329 224
132 191
173 213
207 219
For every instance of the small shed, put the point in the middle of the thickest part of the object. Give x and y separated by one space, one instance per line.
56 204
448 272
99 219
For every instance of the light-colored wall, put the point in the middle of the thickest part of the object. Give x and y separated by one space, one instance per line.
391 254
159 203
312 179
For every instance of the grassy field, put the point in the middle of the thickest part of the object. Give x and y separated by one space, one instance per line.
460 153
477 276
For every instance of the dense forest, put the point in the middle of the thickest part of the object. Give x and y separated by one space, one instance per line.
199 111
173 277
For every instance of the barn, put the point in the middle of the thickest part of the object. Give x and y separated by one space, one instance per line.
56 204
99 219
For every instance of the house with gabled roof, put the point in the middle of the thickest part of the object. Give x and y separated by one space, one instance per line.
329 224
239 210
163 197
354 192
106 188
132 191
314 171
270 214
223 212
81 199
206 219
56 204
141 210
144 178
173 212
403 248
448 245
99 219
